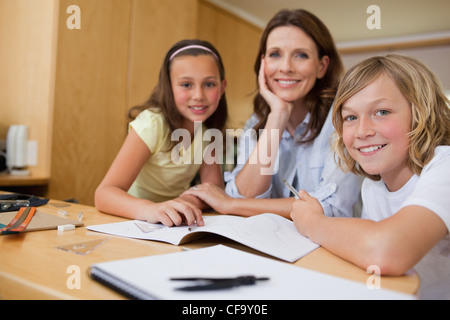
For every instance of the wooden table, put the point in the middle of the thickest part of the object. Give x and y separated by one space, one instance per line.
32 268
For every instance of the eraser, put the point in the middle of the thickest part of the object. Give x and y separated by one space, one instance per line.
66 227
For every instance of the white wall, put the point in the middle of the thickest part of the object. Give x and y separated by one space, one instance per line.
437 58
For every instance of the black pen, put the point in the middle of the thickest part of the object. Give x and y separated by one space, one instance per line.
219 283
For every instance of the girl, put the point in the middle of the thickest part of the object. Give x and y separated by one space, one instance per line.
393 126
298 69
146 179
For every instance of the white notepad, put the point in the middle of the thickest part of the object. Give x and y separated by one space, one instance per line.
149 278
268 233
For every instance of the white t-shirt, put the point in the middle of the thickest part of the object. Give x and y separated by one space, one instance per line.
430 190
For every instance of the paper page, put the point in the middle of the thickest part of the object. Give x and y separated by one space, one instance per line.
286 281
268 233
142 230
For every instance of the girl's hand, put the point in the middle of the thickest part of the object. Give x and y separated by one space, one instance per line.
304 211
174 213
212 194
275 103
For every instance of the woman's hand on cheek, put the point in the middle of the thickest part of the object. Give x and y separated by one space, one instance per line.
275 103
304 211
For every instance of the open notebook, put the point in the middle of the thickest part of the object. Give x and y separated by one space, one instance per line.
268 233
149 278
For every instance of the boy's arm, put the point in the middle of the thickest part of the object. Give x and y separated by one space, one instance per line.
394 244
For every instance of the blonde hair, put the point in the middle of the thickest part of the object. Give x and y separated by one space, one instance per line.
420 86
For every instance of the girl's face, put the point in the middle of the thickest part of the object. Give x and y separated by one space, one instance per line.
376 123
196 86
292 63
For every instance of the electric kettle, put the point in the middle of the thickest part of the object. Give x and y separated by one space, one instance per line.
16 150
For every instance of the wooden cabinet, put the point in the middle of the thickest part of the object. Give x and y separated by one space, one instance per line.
73 87
28 33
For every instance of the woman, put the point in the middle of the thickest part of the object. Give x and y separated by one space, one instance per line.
298 71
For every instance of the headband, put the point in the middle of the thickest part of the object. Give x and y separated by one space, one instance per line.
192 47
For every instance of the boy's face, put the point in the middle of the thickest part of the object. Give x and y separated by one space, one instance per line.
376 123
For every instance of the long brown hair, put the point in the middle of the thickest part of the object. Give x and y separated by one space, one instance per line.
320 98
162 100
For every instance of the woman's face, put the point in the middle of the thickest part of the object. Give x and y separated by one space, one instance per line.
292 63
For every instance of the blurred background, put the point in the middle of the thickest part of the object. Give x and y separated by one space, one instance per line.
72 87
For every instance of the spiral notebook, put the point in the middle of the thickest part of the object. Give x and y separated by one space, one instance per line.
149 278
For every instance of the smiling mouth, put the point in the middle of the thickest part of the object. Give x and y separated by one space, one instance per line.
287 82
371 148
198 108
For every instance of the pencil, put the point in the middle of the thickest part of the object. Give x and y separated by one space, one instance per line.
193 226
297 196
